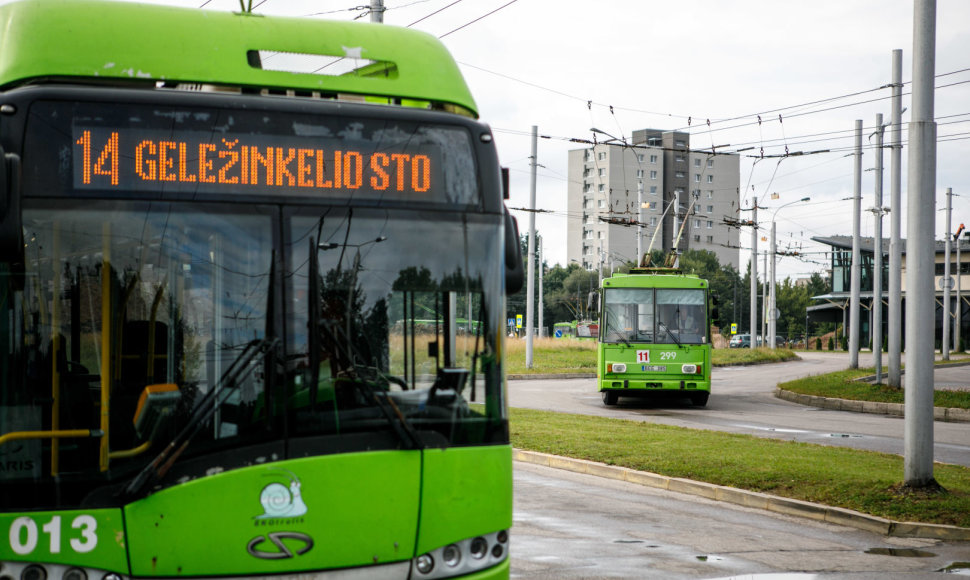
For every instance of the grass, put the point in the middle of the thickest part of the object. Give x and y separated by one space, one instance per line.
864 481
844 385
552 355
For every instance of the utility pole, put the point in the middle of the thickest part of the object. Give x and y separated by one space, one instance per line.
945 344
895 242
530 285
377 11
764 302
772 319
920 250
877 259
957 342
753 328
542 268
856 270
639 222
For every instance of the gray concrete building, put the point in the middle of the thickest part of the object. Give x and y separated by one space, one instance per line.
684 192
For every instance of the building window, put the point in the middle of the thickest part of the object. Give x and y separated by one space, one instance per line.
601 188
587 188
710 179
680 143
697 238
601 156
697 162
653 190
653 175
710 224
639 173
602 172
586 154
602 203
679 158
588 204
697 178
653 159
710 194
599 235
640 157
653 221
710 209
697 224
710 239
710 163
680 174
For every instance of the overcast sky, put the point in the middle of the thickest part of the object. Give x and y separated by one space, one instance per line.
621 65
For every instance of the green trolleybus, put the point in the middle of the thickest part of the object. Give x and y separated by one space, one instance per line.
218 235
654 336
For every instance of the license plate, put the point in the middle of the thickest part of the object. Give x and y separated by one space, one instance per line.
656 368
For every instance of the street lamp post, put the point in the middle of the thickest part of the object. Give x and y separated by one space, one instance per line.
772 317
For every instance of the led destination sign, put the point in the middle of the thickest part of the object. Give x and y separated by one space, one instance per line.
153 160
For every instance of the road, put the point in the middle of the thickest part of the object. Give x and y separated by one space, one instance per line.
743 401
570 525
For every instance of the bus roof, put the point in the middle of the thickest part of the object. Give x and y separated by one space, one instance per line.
651 280
97 40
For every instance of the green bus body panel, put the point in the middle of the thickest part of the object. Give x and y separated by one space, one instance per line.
356 509
42 39
636 379
92 538
467 492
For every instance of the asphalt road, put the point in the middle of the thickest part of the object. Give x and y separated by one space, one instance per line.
570 525
743 401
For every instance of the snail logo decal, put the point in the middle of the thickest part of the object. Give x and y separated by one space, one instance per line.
282 501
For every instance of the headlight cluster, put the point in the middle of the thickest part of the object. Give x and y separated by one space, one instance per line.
616 367
26 571
463 557
691 369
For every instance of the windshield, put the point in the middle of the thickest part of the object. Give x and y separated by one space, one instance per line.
390 323
658 316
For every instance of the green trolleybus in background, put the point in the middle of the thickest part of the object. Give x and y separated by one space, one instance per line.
654 336
218 235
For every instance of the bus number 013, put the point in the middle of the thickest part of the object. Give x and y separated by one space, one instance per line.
24 526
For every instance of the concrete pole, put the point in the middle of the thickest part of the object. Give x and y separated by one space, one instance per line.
764 302
895 243
956 322
855 321
920 254
945 344
771 292
639 222
877 260
530 280
377 11
542 329
753 318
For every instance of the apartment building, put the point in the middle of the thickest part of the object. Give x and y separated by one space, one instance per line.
677 196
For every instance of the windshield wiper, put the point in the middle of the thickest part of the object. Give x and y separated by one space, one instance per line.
664 328
203 412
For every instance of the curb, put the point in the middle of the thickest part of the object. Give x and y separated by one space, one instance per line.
781 505
946 414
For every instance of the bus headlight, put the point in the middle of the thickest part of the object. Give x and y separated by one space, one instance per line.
463 557
691 369
616 367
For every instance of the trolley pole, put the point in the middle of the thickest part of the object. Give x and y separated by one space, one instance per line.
920 250
530 287
895 243
856 270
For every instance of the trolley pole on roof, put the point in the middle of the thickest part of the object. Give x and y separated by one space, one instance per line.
920 250
530 284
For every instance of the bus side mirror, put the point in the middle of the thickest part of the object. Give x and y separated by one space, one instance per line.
514 273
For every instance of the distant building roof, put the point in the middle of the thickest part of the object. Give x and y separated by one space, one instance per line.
867 244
